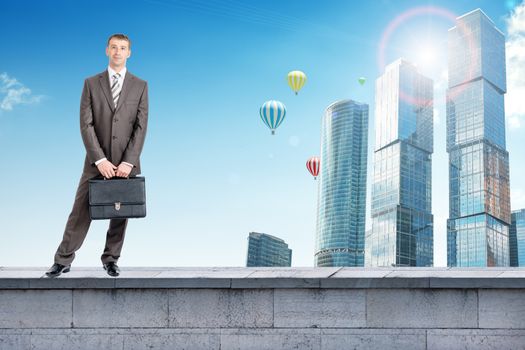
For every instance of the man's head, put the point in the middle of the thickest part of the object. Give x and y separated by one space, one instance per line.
118 50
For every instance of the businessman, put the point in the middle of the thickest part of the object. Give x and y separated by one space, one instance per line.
113 122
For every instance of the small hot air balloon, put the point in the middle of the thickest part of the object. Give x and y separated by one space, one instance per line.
296 80
313 164
272 114
361 80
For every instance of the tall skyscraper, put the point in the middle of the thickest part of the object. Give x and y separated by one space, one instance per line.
479 203
517 238
402 220
341 205
267 250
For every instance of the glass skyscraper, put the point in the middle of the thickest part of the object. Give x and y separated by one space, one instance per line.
402 220
267 250
341 205
479 202
517 238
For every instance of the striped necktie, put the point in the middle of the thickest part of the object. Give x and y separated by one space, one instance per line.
116 87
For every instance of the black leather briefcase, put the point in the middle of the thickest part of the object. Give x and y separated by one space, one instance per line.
117 198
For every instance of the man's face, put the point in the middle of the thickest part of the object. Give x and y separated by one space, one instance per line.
118 52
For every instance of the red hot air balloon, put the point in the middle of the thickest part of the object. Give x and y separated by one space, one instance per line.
313 164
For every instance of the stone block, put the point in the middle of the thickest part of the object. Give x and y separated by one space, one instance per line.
15 342
460 273
256 339
426 308
382 282
22 272
188 339
14 283
515 272
72 283
485 339
76 341
359 272
202 272
18 277
285 282
477 282
398 339
502 308
220 308
120 308
305 308
172 283
35 308
295 272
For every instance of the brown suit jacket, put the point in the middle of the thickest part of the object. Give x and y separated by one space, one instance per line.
115 133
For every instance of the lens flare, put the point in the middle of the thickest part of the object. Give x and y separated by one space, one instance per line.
427 54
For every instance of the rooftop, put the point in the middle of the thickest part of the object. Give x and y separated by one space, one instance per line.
265 277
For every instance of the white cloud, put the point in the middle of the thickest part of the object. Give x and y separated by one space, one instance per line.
515 22
437 119
441 83
517 198
515 50
13 93
513 121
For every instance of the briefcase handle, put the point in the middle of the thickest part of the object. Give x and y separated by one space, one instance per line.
118 177
100 177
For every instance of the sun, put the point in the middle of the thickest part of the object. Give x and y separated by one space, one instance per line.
426 57
438 14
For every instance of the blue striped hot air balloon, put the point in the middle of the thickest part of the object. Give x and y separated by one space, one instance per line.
272 114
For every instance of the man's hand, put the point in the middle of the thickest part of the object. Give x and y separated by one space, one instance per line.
123 170
107 169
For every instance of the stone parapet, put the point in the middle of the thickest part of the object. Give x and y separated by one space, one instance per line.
263 308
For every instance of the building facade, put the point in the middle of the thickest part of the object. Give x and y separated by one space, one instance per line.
341 208
267 250
402 220
479 202
517 238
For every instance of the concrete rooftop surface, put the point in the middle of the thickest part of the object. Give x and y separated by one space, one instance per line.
265 277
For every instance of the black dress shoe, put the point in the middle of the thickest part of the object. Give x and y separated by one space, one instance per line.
57 269
112 269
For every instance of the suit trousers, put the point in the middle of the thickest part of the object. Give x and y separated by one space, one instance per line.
78 225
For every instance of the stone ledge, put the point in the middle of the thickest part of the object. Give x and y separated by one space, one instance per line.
205 338
260 278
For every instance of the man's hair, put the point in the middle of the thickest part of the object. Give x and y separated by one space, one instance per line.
120 37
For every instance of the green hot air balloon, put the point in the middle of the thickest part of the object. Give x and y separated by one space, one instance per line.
361 80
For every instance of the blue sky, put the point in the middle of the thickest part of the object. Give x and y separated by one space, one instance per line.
214 173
